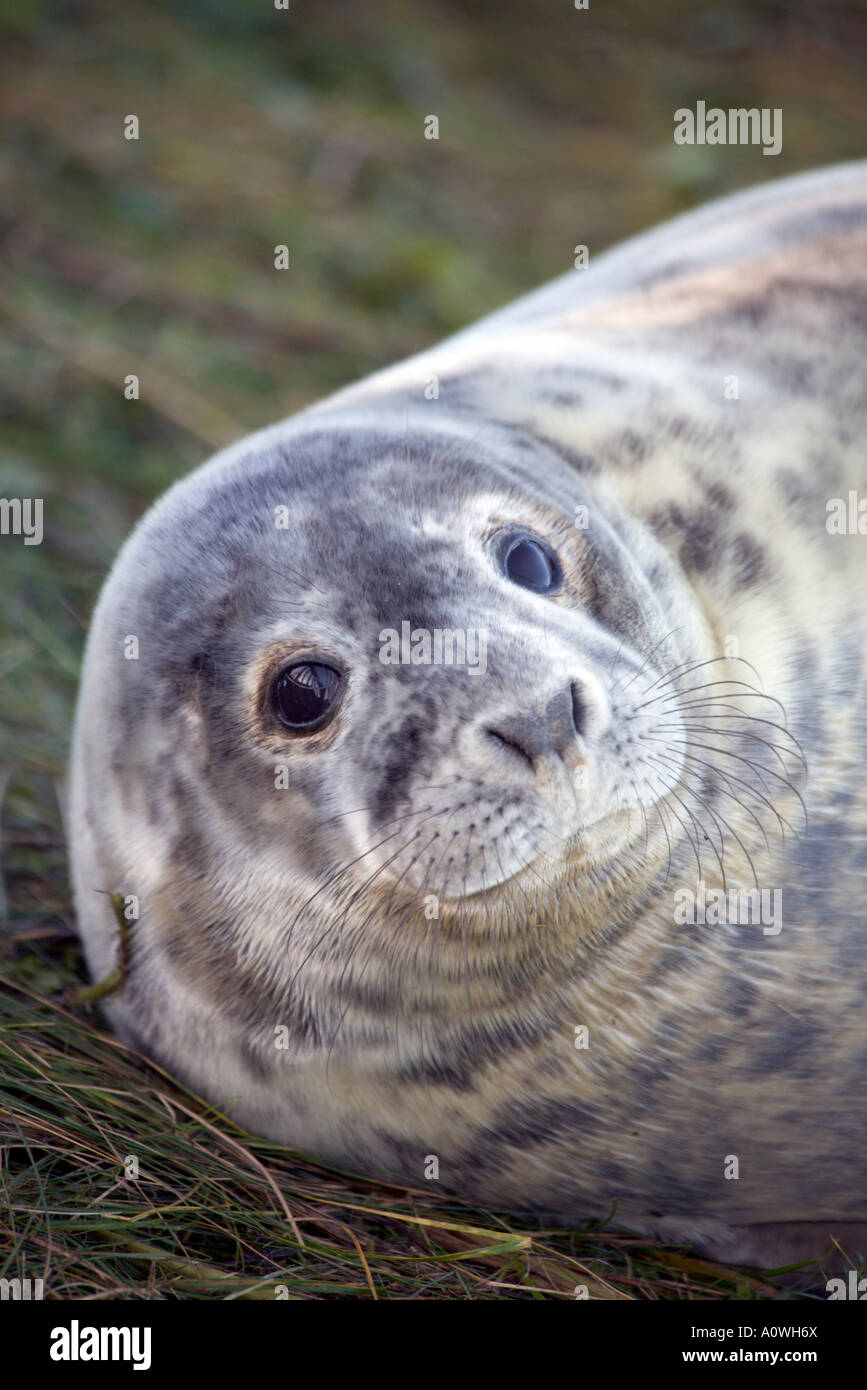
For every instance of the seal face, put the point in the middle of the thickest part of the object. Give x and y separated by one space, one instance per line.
449 749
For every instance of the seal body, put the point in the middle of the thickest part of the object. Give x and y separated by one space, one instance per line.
480 753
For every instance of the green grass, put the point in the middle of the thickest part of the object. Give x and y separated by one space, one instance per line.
215 1213
155 257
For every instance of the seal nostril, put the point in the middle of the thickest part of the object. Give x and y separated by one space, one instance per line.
579 709
506 742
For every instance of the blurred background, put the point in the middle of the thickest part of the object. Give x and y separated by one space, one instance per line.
305 127
155 257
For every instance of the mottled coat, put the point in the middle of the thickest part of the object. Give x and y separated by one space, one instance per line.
381 942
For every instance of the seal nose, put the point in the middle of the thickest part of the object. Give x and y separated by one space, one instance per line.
555 731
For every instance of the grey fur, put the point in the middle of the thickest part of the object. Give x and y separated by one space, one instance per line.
309 909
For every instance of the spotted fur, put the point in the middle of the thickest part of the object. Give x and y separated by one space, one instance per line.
553 873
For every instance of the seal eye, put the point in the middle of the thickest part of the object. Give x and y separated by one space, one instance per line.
306 695
528 563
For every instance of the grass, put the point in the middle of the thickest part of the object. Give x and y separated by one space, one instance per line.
211 1212
155 257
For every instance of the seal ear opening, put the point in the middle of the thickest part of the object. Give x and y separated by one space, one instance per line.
203 665
202 668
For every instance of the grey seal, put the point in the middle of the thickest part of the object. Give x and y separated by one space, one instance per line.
448 746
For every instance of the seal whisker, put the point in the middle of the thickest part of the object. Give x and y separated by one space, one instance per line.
700 828
760 771
360 936
656 757
694 843
757 768
643 667
664 807
707 705
643 810
747 693
677 673
282 571
729 778
744 733
354 898
719 854
344 868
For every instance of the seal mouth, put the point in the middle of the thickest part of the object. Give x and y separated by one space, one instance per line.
576 860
